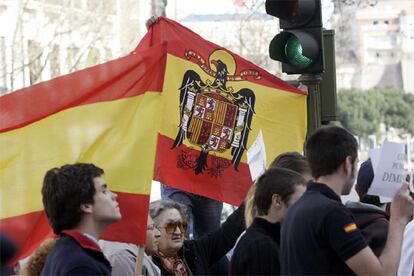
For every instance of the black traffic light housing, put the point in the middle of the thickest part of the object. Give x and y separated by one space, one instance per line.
299 46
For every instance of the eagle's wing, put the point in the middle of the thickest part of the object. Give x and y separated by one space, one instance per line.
190 87
248 99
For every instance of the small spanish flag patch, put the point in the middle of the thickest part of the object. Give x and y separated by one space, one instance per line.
351 227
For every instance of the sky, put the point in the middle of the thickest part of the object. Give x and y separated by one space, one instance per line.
187 7
179 9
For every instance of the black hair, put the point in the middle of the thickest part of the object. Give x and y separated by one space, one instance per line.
64 190
328 147
275 181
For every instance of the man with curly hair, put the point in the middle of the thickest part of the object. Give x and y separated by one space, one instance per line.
79 207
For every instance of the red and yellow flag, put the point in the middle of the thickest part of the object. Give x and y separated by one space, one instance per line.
179 109
350 228
214 105
102 115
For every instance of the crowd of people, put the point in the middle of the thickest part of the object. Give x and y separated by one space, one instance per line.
292 223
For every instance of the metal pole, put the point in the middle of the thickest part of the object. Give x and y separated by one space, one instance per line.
314 100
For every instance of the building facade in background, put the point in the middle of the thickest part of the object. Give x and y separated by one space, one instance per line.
385 48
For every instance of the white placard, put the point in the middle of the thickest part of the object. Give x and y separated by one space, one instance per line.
388 170
256 157
375 156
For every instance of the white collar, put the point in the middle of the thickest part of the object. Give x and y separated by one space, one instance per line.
91 238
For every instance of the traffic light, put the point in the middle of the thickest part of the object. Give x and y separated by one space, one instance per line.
299 46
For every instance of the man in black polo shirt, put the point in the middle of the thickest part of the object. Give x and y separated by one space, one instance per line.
319 235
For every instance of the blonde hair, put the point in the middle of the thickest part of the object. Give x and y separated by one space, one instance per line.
250 211
37 261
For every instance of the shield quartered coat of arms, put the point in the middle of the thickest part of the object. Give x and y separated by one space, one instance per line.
212 123
212 115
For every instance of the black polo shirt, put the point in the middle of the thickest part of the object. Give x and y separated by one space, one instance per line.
319 235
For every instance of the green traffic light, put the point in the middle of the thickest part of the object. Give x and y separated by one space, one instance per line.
293 52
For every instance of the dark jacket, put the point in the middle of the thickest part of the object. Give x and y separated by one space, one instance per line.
199 255
373 222
76 254
319 234
257 252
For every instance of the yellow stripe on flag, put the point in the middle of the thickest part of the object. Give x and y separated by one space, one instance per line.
281 115
120 135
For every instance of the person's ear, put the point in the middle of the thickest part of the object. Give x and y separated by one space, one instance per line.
86 208
348 165
276 201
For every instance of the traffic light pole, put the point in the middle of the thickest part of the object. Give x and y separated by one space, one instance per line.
312 81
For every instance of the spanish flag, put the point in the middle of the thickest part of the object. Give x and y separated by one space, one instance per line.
350 228
214 105
179 109
103 115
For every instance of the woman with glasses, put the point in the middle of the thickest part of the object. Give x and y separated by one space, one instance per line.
178 256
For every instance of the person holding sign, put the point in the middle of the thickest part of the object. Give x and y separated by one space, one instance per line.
319 235
407 253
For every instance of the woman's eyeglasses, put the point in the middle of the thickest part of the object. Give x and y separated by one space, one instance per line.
171 226
151 227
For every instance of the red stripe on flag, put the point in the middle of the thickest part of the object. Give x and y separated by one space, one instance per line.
185 39
128 76
133 226
230 186
30 230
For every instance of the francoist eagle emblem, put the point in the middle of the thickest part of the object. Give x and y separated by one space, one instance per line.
212 115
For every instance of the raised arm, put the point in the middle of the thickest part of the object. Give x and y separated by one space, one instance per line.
365 262
218 243
152 20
